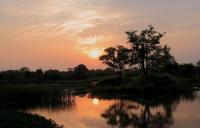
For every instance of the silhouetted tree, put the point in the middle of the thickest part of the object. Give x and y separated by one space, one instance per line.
12 75
198 63
24 69
166 62
81 68
1 76
165 56
39 74
172 68
198 68
188 70
80 71
116 58
53 75
146 50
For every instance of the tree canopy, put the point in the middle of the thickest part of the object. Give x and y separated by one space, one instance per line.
116 57
198 63
146 50
81 68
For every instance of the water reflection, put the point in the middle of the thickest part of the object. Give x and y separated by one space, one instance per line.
54 99
105 110
143 112
124 114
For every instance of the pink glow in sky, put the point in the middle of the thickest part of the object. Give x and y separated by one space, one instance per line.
63 33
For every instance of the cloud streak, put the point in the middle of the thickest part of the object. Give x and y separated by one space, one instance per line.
91 24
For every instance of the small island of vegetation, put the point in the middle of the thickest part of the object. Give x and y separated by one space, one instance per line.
152 68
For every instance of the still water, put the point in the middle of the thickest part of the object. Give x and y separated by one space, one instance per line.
100 111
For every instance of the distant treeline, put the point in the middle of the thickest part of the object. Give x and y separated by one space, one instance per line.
81 72
25 75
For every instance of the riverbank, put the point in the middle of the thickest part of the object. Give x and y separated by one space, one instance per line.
16 99
155 83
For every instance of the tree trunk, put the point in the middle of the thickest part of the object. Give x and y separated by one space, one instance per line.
146 116
120 77
145 73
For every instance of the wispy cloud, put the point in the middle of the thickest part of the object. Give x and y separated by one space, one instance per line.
90 24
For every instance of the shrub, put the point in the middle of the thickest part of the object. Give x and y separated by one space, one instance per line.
11 119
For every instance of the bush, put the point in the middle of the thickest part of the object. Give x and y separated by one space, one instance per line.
188 70
154 83
160 82
12 119
115 81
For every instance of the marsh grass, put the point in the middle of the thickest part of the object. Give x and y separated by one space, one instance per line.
16 99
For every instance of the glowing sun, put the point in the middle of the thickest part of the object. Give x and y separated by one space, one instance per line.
95 101
94 53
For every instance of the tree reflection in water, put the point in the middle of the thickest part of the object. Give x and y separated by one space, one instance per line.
124 114
25 98
143 112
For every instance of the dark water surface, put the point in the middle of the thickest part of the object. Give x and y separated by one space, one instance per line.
108 111
75 109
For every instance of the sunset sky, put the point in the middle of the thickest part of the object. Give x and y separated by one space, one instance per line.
59 34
